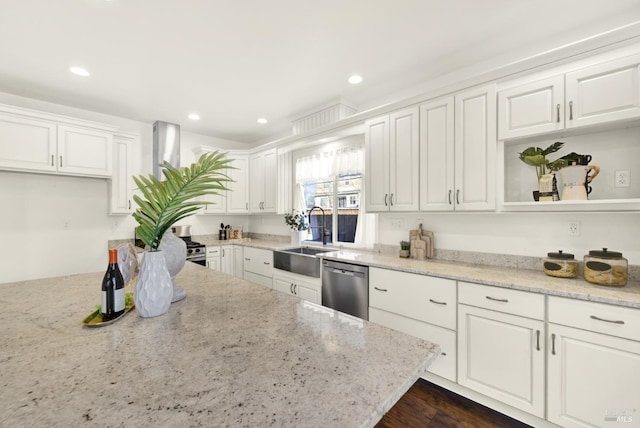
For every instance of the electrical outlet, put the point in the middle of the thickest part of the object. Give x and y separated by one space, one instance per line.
396 224
622 178
574 228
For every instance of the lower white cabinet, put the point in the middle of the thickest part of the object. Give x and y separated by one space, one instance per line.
238 261
594 376
258 266
226 259
419 305
306 288
502 354
213 257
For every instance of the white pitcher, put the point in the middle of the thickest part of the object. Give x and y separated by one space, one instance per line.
575 180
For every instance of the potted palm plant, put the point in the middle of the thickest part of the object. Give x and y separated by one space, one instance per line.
162 204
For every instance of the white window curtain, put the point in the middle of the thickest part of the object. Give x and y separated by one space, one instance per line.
326 166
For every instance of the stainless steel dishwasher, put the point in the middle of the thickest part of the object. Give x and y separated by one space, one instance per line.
345 288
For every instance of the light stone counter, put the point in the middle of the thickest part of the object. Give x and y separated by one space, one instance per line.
231 354
520 279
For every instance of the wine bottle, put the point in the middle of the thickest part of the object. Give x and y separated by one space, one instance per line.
112 289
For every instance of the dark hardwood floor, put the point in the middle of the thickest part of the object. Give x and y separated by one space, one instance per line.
428 405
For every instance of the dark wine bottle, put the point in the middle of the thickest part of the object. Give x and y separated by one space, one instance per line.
112 289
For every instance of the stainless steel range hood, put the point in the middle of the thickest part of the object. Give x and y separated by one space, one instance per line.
166 146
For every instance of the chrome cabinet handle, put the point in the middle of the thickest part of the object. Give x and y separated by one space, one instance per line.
247 259
246 206
444 354
129 203
457 196
60 161
537 340
266 263
385 200
553 344
593 317
51 160
381 289
437 303
295 289
291 287
391 199
497 300
449 196
558 113
223 253
570 110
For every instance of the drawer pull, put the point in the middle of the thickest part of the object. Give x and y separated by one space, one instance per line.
553 344
437 303
266 263
593 317
444 354
247 259
537 340
381 289
497 300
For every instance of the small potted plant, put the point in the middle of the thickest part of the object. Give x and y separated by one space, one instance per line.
537 157
297 222
404 249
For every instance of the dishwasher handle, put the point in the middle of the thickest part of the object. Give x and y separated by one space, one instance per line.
346 273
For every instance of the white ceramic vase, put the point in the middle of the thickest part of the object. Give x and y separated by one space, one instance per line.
175 253
154 289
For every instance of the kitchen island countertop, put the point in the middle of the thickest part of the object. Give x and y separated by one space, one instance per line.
231 354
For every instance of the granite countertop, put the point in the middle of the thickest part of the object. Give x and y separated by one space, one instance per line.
231 354
520 279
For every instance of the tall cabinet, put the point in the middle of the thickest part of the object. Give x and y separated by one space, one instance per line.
121 184
392 162
263 175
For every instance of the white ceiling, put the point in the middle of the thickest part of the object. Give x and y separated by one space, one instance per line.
233 61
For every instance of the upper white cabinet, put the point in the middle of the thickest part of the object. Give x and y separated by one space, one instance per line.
458 151
598 94
392 162
238 197
121 184
263 175
41 142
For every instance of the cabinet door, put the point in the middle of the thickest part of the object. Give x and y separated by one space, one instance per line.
475 149
226 259
217 204
436 155
269 204
213 263
308 292
238 197
604 93
534 108
121 185
593 379
84 152
502 356
27 144
404 160
377 164
238 261
283 285
256 178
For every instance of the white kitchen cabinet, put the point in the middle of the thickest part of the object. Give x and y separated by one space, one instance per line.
501 354
213 257
238 197
594 364
598 94
238 261
263 174
258 266
458 151
121 184
306 288
419 305
41 142
533 108
226 259
392 162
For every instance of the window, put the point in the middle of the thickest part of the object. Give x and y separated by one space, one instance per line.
331 181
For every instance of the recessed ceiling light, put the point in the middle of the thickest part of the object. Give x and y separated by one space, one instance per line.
262 120
80 71
355 79
194 116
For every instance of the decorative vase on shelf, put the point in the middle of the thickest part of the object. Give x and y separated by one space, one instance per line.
154 289
175 253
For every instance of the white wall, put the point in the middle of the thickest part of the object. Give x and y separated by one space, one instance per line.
527 234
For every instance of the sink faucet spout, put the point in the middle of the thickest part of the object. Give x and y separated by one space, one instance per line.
324 228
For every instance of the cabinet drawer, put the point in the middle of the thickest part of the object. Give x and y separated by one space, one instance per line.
514 302
421 297
258 261
213 251
445 365
598 317
267 281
